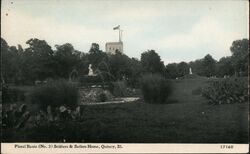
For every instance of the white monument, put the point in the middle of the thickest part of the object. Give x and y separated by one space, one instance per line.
190 70
91 73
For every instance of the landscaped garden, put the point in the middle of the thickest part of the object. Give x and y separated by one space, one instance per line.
64 95
185 117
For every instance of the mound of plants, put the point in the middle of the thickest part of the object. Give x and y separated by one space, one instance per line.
41 125
55 93
155 88
95 95
119 88
122 89
226 91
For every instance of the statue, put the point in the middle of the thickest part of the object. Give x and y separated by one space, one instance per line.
91 73
190 70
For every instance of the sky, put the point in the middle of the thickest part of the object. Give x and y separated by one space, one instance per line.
177 30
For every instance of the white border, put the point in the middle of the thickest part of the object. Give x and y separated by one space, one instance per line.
11 148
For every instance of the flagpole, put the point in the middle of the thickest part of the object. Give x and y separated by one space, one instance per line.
119 35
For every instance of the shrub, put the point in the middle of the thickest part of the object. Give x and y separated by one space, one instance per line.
119 89
95 95
155 88
226 91
55 93
102 97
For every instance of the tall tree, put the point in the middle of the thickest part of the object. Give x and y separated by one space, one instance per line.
208 66
240 54
224 67
96 56
119 65
171 71
151 62
38 59
67 59
182 69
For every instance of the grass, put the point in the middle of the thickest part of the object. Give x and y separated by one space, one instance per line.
172 123
190 119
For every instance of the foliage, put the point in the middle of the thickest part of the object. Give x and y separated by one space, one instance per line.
96 56
119 65
102 97
182 69
226 91
224 67
15 117
48 124
240 55
66 60
208 64
155 88
94 95
119 89
11 95
135 73
151 62
38 60
11 61
171 71
55 93
148 122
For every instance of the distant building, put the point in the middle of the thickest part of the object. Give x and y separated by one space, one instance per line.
112 47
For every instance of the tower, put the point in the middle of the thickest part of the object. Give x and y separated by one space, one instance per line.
113 47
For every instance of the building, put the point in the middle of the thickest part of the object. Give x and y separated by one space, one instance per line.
112 47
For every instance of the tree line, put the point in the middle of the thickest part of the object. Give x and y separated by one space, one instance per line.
40 62
234 65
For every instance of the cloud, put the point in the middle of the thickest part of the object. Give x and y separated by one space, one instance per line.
207 34
18 27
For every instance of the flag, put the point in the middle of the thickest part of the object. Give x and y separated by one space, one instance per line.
117 27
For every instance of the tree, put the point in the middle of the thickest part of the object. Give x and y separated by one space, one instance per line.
240 54
119 65
151 62
197 67
67 59
224 67
96 56
11 62
38 60
136 72
182 69
5 63
94 48
171 71
208 66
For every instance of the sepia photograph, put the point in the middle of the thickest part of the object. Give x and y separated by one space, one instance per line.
124 72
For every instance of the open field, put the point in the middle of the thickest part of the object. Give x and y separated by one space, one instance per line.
188 118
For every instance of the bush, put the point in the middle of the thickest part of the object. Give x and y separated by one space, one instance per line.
55 93
119 89
102 97
95 95
155 88
226 91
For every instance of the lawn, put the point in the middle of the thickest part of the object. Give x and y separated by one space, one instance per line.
188 118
